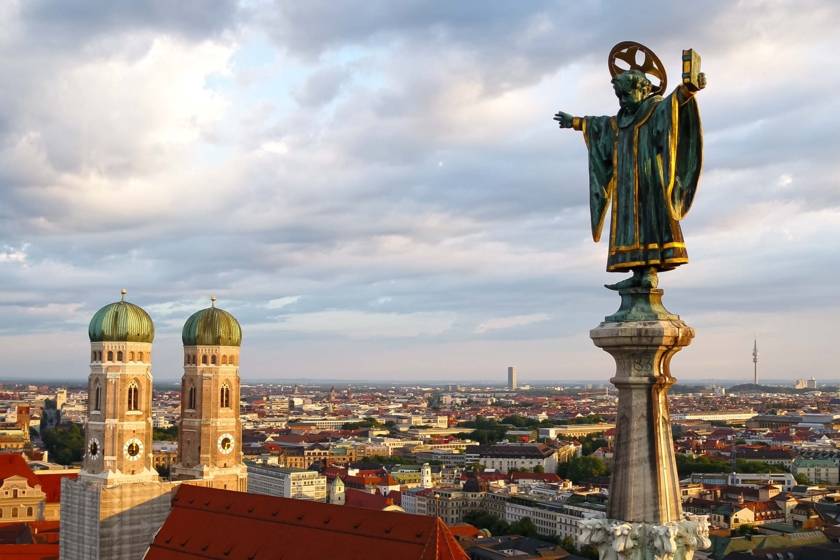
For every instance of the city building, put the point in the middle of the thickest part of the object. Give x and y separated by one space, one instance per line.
450 504
784 480
213 524
503 457
512 381
286 483
818 466
114 508
27 495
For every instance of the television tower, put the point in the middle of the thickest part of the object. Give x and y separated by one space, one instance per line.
755 362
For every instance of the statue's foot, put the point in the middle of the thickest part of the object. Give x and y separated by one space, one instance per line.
632 282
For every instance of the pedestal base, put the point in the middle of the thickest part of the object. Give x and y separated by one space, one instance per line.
619 540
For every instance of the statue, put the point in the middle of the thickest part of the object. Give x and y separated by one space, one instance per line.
645 162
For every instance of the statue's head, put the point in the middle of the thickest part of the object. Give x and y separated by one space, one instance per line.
631 87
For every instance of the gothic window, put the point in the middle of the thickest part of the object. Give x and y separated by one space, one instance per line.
110 355
93 356
119 356
224 360
140 356
191 398
224 397
97 397
213 359
204 359
131 356
133 396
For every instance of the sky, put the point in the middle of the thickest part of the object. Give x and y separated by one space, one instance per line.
377 190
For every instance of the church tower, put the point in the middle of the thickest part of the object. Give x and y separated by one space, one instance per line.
118 433
210 431
114 508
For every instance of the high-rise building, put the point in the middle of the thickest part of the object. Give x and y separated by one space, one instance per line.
755 362
512 381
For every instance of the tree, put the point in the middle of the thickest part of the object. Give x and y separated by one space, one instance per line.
582 469
486 520
802 478
539 469
165 434
64 443
591 443
524 527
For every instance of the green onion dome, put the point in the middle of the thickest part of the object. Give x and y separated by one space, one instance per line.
212 327
121 321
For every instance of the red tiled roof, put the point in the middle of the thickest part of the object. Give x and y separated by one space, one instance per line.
51 484
221 524
29 551
462 530
13 464
366 500
545 477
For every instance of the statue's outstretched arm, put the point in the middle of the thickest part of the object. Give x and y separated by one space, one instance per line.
565 120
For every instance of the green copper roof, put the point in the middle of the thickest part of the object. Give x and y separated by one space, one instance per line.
212 327
121 321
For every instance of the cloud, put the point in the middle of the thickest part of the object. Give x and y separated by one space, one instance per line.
359 324
267 148
280 303
501 323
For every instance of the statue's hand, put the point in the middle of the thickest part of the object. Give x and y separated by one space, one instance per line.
563 119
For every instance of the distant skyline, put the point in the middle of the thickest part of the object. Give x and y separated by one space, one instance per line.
376 190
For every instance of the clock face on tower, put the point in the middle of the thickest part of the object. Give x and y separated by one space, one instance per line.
93 449
133 449
225 443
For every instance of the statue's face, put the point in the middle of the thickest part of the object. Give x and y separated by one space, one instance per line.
629 97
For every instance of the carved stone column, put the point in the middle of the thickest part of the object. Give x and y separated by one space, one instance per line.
645 509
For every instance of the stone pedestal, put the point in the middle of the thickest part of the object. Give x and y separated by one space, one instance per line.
644 504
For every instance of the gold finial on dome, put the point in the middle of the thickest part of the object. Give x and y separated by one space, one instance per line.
122 294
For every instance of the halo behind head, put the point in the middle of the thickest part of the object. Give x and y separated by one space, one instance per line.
626 52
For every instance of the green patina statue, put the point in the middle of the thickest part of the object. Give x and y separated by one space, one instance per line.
645 161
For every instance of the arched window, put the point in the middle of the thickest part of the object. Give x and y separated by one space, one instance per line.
140 356
110 355
14 512
131 356
204 359
224 360
99 355
29 512
191 398
92 356
133 396
224 397
119 356
213 359
97 397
